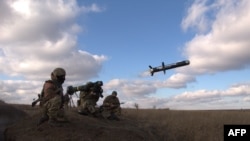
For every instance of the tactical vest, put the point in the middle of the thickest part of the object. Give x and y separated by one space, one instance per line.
57 89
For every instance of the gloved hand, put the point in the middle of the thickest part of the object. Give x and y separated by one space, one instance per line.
70 90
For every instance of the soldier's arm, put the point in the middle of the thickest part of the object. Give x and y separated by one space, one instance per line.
115 102
106 101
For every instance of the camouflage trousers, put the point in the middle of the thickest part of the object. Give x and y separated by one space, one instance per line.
87 106
52 108
66 105
107 112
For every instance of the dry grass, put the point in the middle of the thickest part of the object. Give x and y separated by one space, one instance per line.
8 115
162 125
189 125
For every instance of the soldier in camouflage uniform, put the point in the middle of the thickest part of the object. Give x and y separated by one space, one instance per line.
89 96
52 97
66 101
111 107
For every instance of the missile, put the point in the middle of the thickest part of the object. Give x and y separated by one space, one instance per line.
164 67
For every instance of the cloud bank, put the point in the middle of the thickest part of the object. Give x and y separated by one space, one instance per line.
36 37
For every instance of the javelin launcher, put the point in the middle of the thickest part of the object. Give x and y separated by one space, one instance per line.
164 67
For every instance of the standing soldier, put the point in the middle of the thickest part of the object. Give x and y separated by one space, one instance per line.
111 107
52 97
89 95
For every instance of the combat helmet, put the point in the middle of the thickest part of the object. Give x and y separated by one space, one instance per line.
59 72
58 75
114 93
99 83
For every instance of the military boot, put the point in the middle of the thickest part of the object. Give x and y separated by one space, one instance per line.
97 114
82 112
43 119
113 117
63 120
54 122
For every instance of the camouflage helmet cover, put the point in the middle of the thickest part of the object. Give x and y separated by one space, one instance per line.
114 93
59 72
100 83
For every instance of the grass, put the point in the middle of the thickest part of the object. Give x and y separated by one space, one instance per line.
179 125
176 125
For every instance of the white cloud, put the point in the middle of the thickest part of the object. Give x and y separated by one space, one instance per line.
199 99
178 80
19 91
221 44
40 35
237 90
93 8
196 16
128 88
36 37
143 88
225 46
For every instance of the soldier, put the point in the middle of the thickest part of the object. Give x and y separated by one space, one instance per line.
89 95
66 101
52 98
111 107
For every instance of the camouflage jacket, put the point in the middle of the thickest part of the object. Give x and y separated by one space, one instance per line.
50 90
111 101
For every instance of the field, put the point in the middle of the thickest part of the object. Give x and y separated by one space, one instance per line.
135 125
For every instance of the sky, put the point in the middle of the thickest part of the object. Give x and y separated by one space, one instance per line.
115 42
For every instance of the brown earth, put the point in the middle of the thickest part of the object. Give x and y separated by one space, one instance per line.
80 128
135 125
8 115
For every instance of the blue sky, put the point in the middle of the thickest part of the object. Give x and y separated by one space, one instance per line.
142 32
115 41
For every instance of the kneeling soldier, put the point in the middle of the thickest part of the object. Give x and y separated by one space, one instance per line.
52 95
111 107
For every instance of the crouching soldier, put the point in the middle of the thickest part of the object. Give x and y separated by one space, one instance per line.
52 98
89 95
111 107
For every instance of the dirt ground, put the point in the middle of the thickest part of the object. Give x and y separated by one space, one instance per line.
79 128
8 115
19 123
